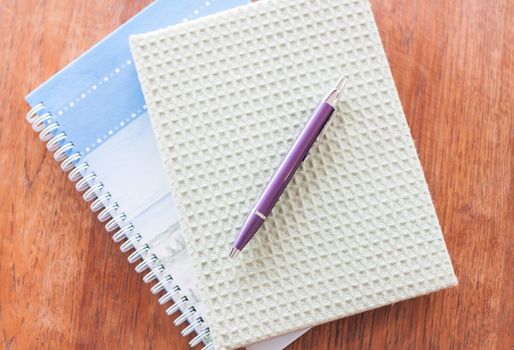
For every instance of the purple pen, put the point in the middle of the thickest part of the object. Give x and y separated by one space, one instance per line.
285 172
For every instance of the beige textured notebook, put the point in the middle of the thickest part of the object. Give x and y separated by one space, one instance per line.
355 229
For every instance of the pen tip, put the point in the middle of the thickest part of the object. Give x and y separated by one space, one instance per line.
233 252
334 95
341 83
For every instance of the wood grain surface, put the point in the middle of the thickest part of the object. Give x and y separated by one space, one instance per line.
64 284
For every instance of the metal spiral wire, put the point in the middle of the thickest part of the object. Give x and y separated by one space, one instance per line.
86 181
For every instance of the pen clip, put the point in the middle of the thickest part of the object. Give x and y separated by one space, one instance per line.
329 121
321 133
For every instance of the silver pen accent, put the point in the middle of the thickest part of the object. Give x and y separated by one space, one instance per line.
333 96
233 252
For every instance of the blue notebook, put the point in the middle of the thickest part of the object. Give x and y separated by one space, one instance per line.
93 117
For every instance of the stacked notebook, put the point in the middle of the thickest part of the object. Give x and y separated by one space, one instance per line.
93 117
225 95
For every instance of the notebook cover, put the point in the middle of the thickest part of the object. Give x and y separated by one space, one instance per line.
356 228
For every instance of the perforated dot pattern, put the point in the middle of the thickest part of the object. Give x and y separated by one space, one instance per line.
355 229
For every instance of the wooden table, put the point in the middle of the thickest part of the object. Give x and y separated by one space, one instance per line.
64 283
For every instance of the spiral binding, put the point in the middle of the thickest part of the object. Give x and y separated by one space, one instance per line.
44 123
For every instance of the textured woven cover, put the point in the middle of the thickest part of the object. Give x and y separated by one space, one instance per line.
355 229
